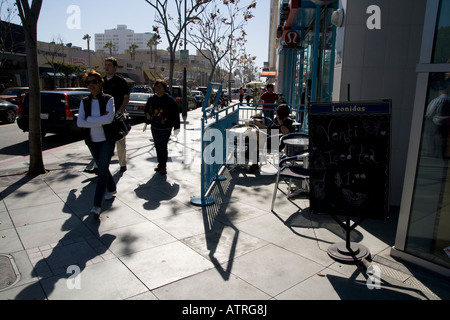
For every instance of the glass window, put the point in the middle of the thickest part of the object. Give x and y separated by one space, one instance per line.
442 36
429 225
328 35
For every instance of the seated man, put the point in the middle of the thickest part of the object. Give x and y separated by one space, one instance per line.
281 124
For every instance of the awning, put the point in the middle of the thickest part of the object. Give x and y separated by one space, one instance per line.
153 75
150 75
269 74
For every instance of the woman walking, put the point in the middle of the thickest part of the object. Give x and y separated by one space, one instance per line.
162 113
95 111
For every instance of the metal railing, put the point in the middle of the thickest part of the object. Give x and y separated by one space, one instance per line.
216 120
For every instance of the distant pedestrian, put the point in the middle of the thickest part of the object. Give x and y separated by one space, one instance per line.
95 111
241 95
269 97
162 113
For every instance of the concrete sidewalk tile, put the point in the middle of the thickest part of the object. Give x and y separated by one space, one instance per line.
224 244
138 237
161 265
273 269
109 280
5 221
52 231
29 291
40 213
10 241
30 196
213 284
114 215
182 225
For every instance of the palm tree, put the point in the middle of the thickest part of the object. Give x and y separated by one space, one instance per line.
132 50
87 37
110 46
155 40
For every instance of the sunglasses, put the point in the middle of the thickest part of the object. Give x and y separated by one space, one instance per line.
95 81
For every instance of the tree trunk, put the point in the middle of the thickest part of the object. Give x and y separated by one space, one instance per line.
29 22
35 139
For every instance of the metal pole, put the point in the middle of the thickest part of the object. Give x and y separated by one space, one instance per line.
184 103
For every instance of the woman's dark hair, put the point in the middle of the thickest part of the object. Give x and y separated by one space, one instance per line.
93 73
283 111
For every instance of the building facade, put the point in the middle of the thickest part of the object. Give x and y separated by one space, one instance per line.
122 38
359 50
423 234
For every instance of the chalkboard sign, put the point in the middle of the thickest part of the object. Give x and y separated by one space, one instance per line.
349 158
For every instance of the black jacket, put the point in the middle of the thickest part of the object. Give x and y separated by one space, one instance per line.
163 111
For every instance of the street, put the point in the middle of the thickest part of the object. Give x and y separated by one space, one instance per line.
14 142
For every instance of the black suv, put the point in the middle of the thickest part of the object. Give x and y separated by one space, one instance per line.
59 111
177 94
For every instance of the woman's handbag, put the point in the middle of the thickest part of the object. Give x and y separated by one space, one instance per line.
117 129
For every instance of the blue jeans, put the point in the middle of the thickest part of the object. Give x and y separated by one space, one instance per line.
102 153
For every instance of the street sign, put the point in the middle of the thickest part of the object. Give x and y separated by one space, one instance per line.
184 57
292 38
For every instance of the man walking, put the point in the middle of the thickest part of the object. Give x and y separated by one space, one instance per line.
118 88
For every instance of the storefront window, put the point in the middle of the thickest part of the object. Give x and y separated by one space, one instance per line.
328 35
429 225
442 37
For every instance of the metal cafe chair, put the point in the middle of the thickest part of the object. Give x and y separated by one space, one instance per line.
290 168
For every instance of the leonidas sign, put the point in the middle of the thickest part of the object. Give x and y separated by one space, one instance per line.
350 158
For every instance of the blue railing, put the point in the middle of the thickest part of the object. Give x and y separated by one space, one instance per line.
216 120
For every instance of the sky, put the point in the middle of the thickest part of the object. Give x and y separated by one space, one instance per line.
138 15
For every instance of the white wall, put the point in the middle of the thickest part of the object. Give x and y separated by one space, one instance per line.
380 64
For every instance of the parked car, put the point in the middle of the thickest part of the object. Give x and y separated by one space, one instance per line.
142 89
14 94
199 96
177 93
72 89
202 89
135 107
59 111
8 111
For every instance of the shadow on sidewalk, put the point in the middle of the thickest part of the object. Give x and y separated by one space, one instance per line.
215 220
81 246
156 190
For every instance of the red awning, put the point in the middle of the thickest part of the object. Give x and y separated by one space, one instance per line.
269 74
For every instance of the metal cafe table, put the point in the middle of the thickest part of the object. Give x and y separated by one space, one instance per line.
296 145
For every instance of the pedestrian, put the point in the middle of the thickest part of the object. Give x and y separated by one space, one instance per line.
118 88
281 125
241 95
269 97
161 111
95 111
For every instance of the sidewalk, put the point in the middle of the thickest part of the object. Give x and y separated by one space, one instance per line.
151 243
